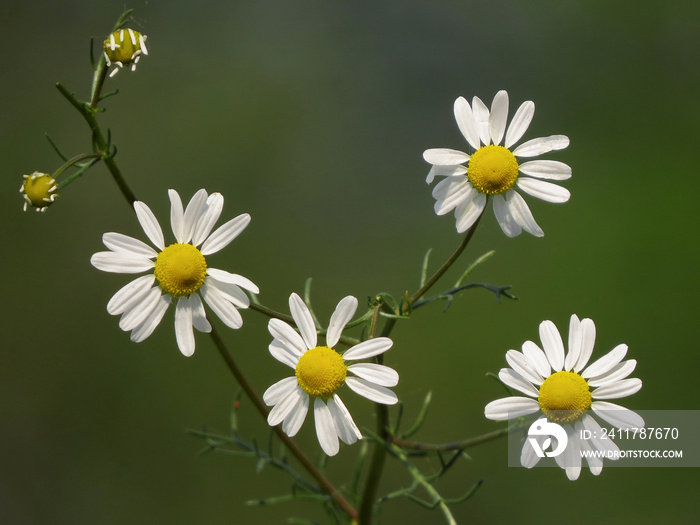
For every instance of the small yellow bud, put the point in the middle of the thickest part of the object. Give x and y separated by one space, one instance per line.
123 48
38 190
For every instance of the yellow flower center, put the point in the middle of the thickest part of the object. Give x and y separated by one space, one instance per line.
180 269
40 189
492 169
564 397
321 371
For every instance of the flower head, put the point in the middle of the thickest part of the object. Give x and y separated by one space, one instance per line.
124 47
179 270
320 371
39 191
493 170
567 392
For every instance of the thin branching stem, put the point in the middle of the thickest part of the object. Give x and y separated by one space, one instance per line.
446 266
286 440
456 445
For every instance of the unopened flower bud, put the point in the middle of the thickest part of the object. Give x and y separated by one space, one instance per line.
124 48
38 190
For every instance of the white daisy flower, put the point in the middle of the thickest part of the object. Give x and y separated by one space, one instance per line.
179 270
493 169
567 392
321 371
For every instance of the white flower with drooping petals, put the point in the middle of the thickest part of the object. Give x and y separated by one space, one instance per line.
493 169
179 270
568 392
320 371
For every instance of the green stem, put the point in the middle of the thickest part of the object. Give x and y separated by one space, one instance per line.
376 465
291 445
101 145
379 453
457 445
74 160
446 266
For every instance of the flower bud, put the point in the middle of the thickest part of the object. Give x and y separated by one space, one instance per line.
124 48
39 190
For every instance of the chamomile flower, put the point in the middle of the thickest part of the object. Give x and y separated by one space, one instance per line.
39 191
320 371
569 393
178 271
124 47
494 170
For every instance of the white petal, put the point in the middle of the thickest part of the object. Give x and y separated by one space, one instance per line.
373 392
303 319
541 145
543 190
283 354
499 116
521 213
575 337
118 262
292 423
510 408
456 190
619 371
225 233
552 344
466 123
481 117
605 363
344 424
617 416
230 291
378 374
118 242
546 169
570 459
140 311
325 428
207 220
594 463
280 390
232 278
177 216
448 186
341 316
199 316
469 211
150 225
130 294
368 348
504 217
225 310
183 327
520 123
145 329
444 171
445 157
194 211
537 359
587 344
518 382
598 443
528 456
287 336
623 388
523 366
282 409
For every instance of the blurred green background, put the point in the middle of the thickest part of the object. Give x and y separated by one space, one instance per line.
312 116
